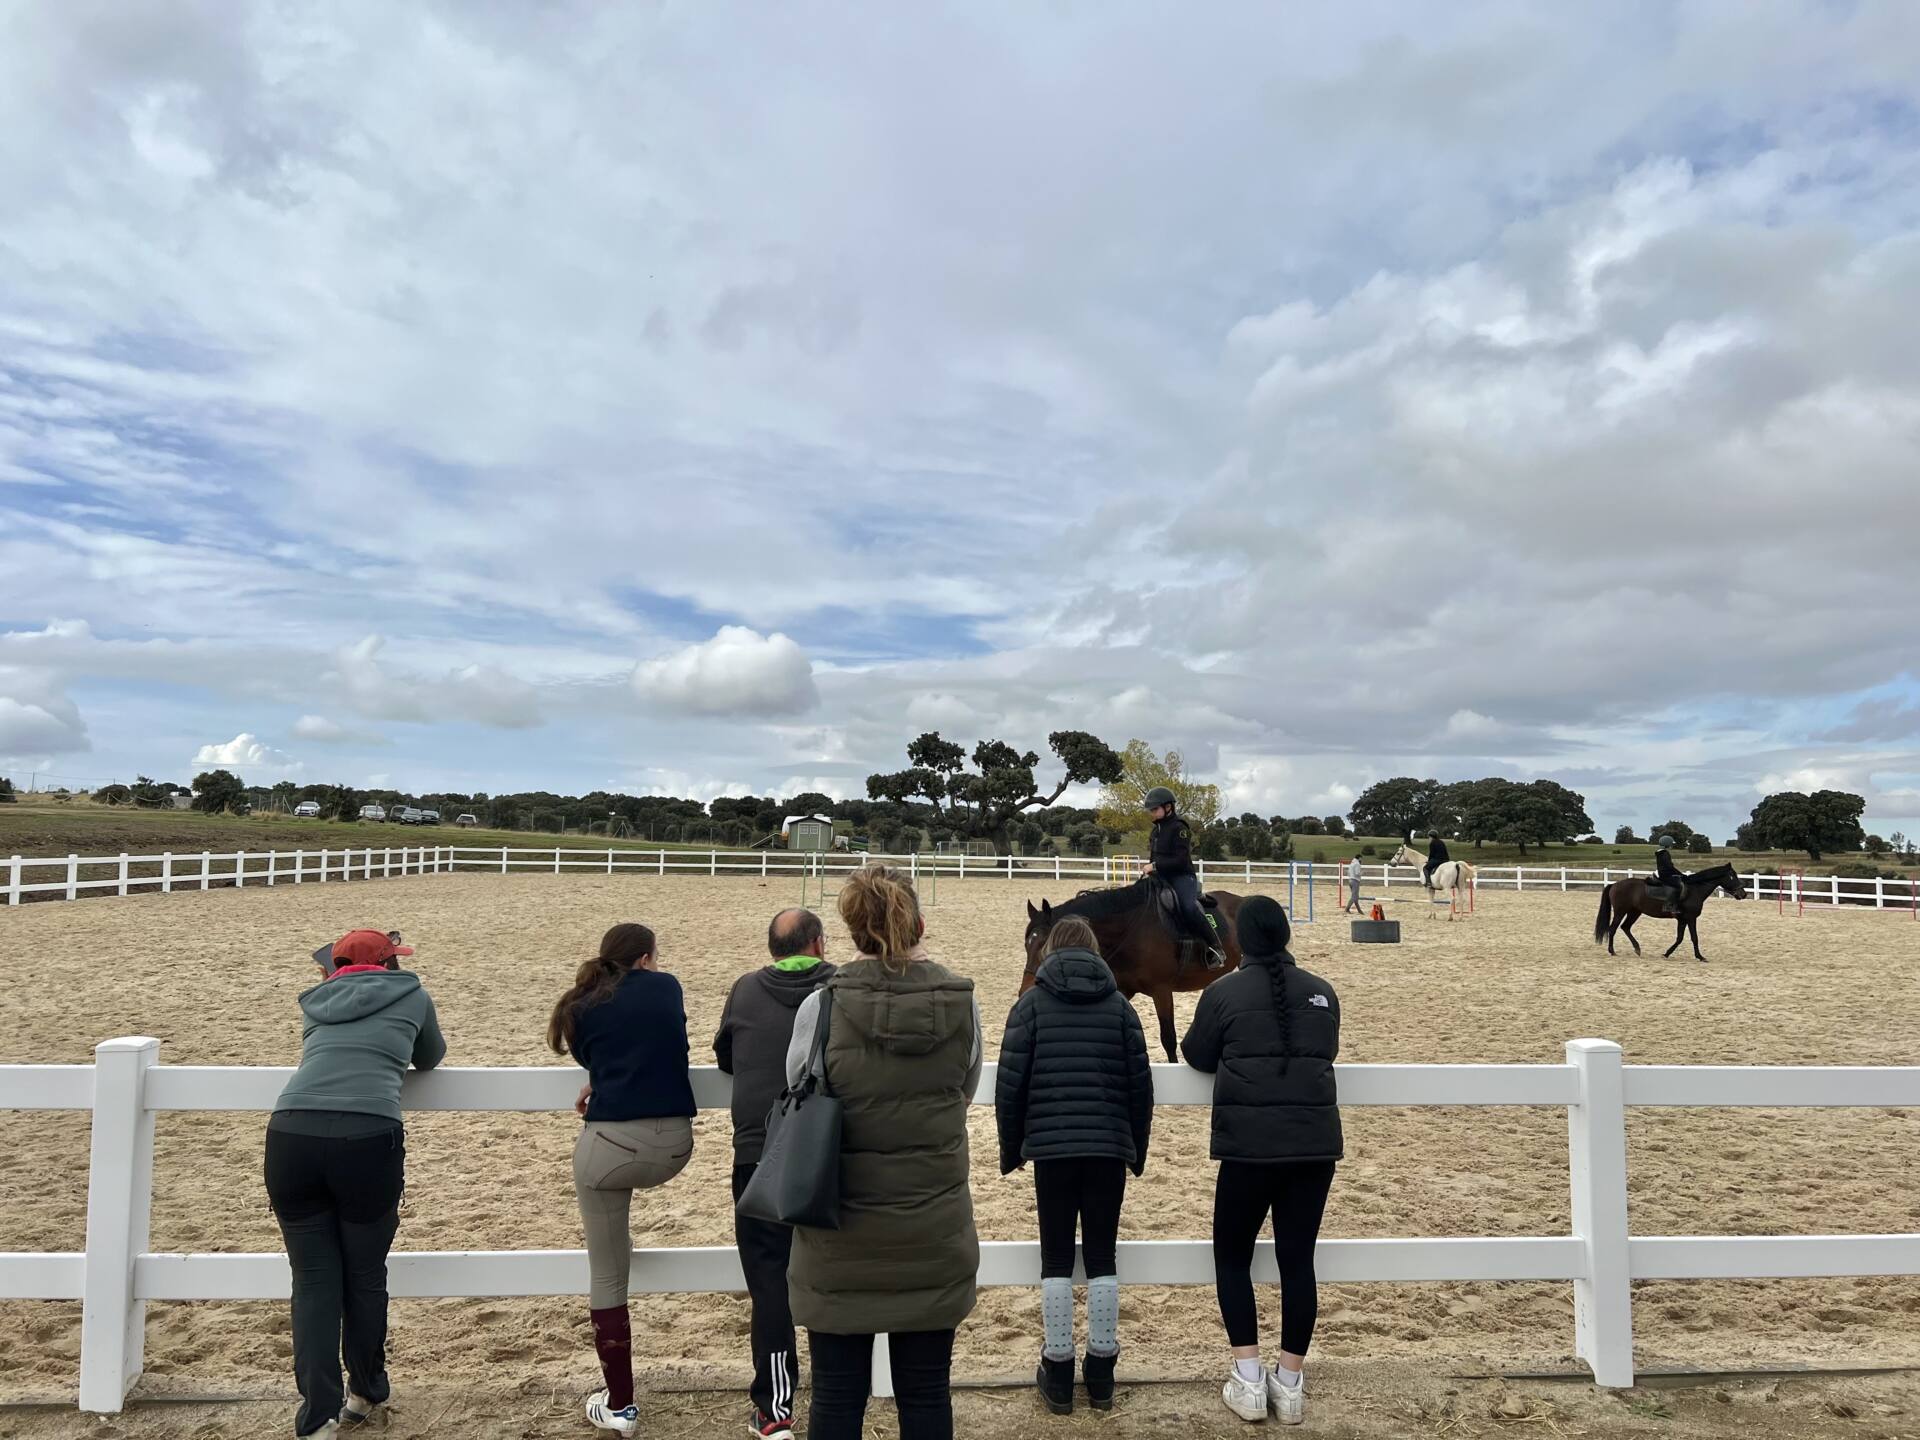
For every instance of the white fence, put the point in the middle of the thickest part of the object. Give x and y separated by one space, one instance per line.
74 876
126 1087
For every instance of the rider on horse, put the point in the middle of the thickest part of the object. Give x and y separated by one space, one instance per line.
1436 857
1667 875
1170 850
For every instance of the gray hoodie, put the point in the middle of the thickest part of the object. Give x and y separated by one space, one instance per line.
361 1031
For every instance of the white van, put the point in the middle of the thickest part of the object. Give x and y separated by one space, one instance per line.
373 812
307 810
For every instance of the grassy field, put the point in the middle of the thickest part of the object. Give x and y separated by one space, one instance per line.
45 825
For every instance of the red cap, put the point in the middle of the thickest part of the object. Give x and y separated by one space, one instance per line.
366 947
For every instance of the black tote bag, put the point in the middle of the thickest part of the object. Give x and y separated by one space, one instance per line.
797 1181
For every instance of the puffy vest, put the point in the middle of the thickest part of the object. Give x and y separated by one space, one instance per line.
906 1253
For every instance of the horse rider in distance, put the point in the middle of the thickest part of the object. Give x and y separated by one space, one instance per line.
1170 852
1669 880
1436 856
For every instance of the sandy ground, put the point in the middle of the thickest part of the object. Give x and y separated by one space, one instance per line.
215 976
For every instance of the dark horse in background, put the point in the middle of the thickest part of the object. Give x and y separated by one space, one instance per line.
1138 942
1625 901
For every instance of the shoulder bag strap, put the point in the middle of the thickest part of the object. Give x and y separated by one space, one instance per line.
817 1062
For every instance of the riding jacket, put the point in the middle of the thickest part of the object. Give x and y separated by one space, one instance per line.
1170 848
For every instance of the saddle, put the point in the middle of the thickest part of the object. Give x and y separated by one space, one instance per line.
1166 905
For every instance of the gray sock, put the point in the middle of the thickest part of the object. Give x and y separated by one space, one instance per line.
1103 1315
1056 1312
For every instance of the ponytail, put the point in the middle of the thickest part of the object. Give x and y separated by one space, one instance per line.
880 907
621 948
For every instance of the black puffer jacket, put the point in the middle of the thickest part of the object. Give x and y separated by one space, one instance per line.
1170 847
1074 1082
1273 1087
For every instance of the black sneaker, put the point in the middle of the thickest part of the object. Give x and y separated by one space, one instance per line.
1097 1371
1055 1381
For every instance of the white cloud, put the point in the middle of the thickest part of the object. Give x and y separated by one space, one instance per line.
37 718
483 694
249 753
322 731
737 672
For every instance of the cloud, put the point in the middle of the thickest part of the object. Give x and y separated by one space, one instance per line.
482 694
246 752
37 718
737 672
322 731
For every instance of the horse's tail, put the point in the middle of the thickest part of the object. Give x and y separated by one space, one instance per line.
1606 914
1468 874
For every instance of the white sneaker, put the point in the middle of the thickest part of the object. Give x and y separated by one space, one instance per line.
359 1411
1246 1398
605 1417
327 1431
1289 1402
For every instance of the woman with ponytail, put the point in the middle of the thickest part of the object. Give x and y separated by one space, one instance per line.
626 1023
1269 1034
902 1053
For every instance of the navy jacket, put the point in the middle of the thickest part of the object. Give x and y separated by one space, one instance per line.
634 1045
1074 1080
1170 847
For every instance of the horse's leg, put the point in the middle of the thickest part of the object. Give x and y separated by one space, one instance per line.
1163 1007
1693 929
1626 926
1679 934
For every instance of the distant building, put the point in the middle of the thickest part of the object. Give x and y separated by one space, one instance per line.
807 832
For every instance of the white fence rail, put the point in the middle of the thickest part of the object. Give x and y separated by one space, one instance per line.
69 877
126 1087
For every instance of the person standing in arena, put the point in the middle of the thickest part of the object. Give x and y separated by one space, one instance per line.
1269 1034
902 1053
1170 852
1075 1096
626 1022
336 1165
1353 887
755 1029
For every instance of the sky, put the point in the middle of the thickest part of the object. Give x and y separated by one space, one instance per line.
706 399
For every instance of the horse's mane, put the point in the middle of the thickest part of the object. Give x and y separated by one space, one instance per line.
1103 904
1715 873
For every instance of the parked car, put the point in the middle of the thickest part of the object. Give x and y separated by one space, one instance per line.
407 815
429 817
373 812
307 810
466 821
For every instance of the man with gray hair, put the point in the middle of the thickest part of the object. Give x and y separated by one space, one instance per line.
751 1046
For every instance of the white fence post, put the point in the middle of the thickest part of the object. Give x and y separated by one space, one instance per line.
73 877
556 859
503 859
166 872
660 862
609 860
713 862
123 872
323 866
1879 893
1563 879
299 867
13 881
1836 892
206 869
882 1367
239 869
1597 1168
119 1203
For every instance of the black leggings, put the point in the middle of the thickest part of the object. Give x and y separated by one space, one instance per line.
1296 1194
1085 1191
334 1181
843 1373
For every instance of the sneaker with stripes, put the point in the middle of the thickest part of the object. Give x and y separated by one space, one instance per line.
767 1428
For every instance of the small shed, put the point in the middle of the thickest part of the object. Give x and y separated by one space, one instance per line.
807 832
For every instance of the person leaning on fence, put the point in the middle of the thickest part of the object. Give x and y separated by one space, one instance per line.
626 1022
336 1166
1269 1034
755 1029
903 1055
1074 1095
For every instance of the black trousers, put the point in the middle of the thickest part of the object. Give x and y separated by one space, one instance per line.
1243 1195
843 1373
1186 889
335 1185
1082 1194
764 1250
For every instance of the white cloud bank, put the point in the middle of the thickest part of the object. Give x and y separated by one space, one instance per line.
246 752
738 672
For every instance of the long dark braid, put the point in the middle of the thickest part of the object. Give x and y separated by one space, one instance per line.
1280 1012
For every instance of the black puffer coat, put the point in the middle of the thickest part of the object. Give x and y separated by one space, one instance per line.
1170 847
1273 1087
1074 1080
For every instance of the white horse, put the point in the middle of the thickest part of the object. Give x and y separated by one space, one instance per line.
1451 875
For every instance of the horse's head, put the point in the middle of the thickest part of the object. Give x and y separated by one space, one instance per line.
1733 885
1039 925
1405 856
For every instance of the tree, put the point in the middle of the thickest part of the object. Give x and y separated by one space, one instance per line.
1399 806
1825 820
1678 829
1625 836
1211 843
1335 824
1698 844
1308 825
216 791
980 805
1539 813
1899 843
1030 836
1123 800
151 794
1876 845
1256 842
113 795
1087 840
809 802
6 791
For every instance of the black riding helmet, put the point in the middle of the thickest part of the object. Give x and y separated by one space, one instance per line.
1159 795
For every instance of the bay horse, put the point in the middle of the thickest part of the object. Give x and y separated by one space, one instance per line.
1144 956
1448 875
1625 901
